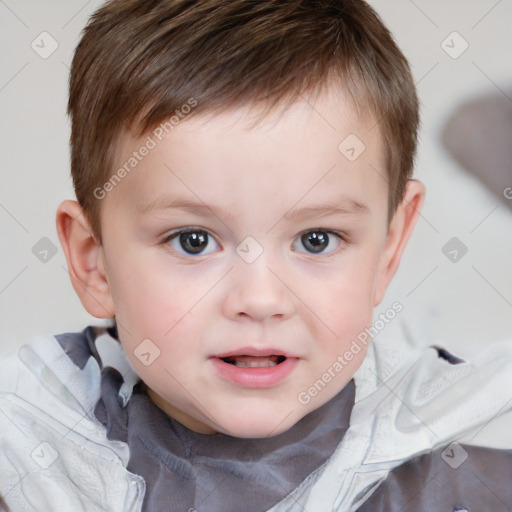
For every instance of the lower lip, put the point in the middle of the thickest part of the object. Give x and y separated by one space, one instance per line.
263 377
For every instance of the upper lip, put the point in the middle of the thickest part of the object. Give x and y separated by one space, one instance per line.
255 352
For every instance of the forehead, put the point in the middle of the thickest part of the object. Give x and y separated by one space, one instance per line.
318 149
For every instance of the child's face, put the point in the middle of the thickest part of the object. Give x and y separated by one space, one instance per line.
304 297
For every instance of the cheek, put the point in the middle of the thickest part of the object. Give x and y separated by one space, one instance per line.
352 313
167 320
149 300
170 308
348 308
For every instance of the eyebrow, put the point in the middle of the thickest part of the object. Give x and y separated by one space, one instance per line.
167 203
344 206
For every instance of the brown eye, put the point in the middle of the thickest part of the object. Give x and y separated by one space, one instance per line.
317 241
192 242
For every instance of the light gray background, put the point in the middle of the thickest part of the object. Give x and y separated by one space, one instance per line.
463 305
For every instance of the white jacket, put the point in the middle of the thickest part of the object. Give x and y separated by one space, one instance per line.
54 454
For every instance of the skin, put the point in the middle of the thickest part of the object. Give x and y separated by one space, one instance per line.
308 304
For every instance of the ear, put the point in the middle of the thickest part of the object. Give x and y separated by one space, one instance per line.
86 260
399 231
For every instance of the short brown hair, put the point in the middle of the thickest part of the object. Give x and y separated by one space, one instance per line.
138 61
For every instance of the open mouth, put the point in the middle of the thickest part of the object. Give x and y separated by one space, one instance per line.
254 361
253 368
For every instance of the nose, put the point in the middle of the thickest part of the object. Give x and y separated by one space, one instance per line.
258 292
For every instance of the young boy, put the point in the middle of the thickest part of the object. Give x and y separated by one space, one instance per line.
243 176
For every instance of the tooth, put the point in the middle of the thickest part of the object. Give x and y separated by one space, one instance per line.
255 364
254 361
